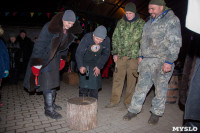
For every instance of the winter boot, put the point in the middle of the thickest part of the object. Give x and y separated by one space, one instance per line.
56 107
49 109
153 119
129 116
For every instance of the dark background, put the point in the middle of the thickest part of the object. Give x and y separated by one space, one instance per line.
103 12
31 15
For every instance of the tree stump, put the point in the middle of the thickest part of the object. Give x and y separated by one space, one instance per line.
82 113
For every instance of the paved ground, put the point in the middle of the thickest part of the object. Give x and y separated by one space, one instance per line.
24 113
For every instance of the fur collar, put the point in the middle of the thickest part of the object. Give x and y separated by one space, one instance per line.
56 25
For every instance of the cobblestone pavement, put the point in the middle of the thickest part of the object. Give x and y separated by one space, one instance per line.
24 113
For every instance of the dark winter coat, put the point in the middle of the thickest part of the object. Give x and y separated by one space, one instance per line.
51 45
87 56
26 46
15 54
4 59
192 108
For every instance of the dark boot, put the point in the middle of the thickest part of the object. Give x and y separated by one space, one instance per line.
153 119
49 109
56 107
129 116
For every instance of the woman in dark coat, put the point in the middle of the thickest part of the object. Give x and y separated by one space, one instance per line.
49 53
92 53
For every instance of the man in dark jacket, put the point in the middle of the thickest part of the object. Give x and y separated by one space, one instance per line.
48 57
92 53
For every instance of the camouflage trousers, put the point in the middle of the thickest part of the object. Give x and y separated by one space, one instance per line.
150 73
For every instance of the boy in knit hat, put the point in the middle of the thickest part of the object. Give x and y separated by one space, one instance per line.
158 51
92 52
125 43
48 57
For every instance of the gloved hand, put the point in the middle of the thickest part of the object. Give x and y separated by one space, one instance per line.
6 72
62 64
36 71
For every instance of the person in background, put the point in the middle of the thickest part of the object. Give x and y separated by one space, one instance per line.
4 61
105 70
48 58
26 45
35 39
125 43
160 45
72 49
15 55
91 55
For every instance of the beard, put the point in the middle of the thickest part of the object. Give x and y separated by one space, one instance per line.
153 15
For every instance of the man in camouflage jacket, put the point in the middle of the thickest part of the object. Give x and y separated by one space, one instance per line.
160 45
125 44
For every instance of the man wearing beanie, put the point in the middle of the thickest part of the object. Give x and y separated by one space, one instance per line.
160 45
49 56
125 43
91 55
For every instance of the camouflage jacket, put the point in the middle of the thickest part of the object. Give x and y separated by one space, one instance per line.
161 37
126 38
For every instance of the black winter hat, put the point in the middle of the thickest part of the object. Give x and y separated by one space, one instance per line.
100 32
130 7
69 15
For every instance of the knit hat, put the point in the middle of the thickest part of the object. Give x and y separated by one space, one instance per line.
158 2
130 7
100 32
69 15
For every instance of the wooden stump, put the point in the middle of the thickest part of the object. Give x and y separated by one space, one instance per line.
70 78
82 113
